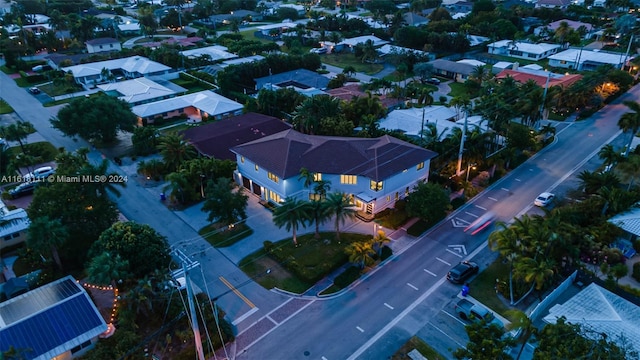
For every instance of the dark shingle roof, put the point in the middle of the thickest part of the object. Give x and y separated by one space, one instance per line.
217 138
101 41
285 153
452 66
303 77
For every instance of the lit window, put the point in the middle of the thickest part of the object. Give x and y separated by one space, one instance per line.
257 168
317 197
274 196
348 179
420 166
317 177
242 159
406 191
388 198
375 185
397 196
273 177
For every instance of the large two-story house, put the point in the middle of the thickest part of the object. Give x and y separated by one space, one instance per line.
374 173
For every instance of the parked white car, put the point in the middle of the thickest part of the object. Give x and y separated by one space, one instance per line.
544 199
39 173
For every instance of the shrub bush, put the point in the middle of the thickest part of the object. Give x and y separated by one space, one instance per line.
385 253
268 246
347 277
636 271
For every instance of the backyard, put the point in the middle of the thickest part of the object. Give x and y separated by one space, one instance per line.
349 59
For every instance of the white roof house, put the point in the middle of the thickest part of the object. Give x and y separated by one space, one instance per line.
471 62
602 311
243 60
200 104
137 91
351 42
410 121
217 52
131 67
583 59
523 50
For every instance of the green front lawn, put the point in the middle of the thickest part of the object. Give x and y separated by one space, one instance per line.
223 237
483 287
57 102
53 90
349 59
5 108
22 82
460 89
6 70
297 268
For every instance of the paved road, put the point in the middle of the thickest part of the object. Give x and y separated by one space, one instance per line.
377 316
139 205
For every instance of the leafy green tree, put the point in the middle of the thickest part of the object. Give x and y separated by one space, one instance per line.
47 236
144 140
631 167
292 214
630 123
106 268
95 118
175 150
610 155
486 342
223 203
177 187
17 132
308 114
340 208
360 253
138 244
428 201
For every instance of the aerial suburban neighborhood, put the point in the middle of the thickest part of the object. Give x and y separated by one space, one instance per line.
327 179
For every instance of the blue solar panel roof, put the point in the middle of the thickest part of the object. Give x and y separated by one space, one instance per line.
50 331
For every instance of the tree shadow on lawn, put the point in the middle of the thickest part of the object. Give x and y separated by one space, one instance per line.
296 269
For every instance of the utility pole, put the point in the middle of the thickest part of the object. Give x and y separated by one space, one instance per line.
188 265
422 127
544 98
462 139
626 56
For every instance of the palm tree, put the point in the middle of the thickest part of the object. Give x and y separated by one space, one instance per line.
291 214
507 242
339 206
57 20
380 240
562 32
308 114
99 188
525 326
178 184
535 271
360 252
175 150
630 122
610 155
17 132
318 213
591 182
307 176
105 269
47 234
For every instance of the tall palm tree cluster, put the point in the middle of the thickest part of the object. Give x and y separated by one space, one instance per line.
294 213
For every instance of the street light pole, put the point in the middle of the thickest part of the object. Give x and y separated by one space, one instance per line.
462 139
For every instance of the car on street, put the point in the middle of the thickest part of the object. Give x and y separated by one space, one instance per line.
23 189
34 90
434 81
544 199
461 272
481 223
39 173
321 50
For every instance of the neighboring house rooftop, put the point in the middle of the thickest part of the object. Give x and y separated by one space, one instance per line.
472 62
132 64
350 91
217 138
391 49
300 78
409 121
137 90
363 39
102 41
243 60
216 52
628 221
413 19
553 3
20 222
207 101
50 320
602 311
475 40
285 153
572 24
525 47
540 79
452 66
584 55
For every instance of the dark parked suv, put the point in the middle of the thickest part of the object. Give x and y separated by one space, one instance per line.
23 189
462 272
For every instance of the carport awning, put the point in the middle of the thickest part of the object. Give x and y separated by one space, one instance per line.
365 197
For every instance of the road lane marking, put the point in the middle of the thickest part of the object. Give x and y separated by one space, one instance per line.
480 207
445 334
413 287
470 214
430 273
490 198
504 189
359 328
323 358
244 316
273 321
236 291
454 253
518 180
389 306
442 261
454 317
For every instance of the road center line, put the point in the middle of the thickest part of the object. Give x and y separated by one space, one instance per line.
454 253
413 287
504 189
430 273
389 306
480 207
236 291
518 180
470 214
442 261
359 328
490 198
